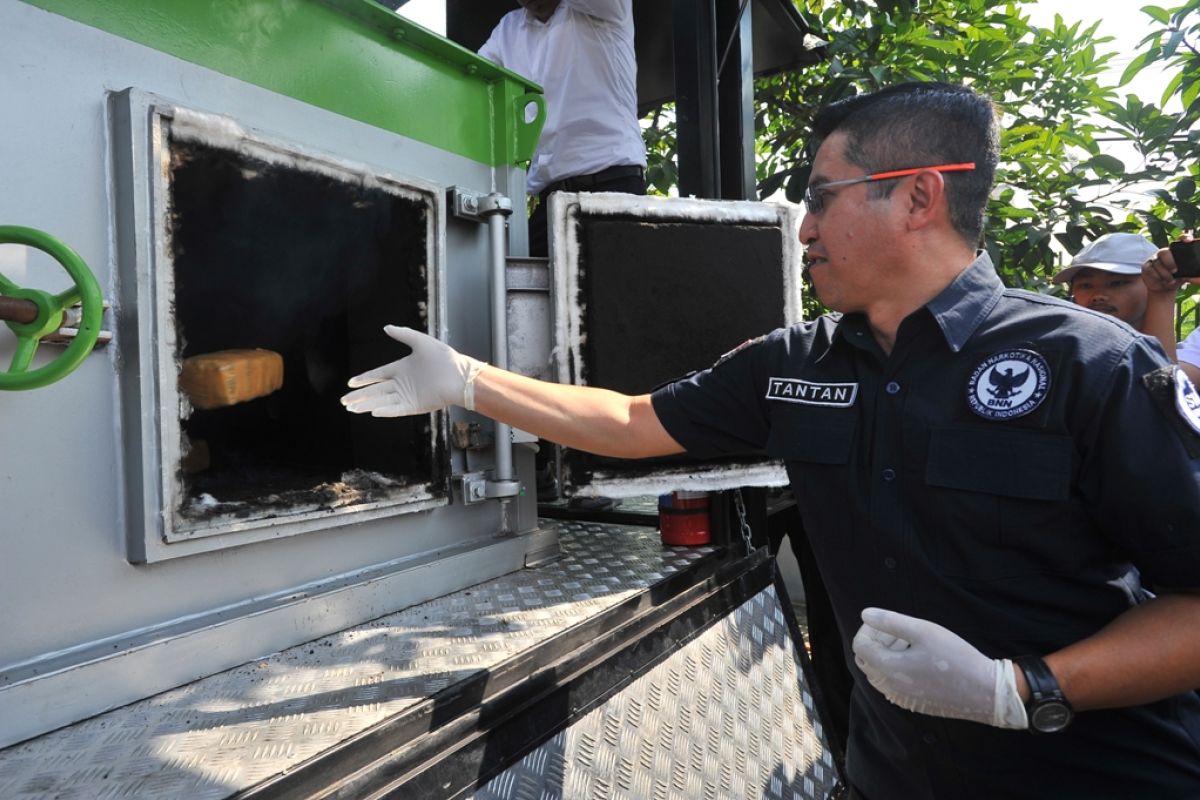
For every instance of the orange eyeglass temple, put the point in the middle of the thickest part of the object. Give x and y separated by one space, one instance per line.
900 173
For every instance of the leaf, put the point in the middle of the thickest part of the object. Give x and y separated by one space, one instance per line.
1173 44
1159 14
1135 66
1025 146
1190 91
1185 190
1188 216
1107 164
795 188
1172 87
771 184
953 48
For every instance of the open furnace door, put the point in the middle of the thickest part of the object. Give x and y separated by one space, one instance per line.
646 290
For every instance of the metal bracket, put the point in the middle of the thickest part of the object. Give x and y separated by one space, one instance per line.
70 329
470 436
522 437
495 203
464 203
473 486
476 488
502 489
472 206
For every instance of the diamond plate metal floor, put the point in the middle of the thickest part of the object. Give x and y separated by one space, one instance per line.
230 731
727 716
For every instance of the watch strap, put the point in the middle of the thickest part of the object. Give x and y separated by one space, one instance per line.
1048 710
1042 683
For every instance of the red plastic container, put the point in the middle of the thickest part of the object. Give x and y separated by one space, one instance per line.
683 518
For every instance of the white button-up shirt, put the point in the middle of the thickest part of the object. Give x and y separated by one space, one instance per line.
583 58
1189 349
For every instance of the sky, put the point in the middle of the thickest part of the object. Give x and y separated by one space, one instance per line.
1121 19
429 14
1128 25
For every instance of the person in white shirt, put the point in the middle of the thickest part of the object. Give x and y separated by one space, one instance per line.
1188 353
1162 287
581 53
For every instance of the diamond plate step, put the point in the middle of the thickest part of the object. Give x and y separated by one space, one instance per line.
228 732
727 716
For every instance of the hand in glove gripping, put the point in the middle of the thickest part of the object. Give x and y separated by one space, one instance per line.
921 666
432 377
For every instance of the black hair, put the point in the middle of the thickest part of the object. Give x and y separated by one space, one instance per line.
922 124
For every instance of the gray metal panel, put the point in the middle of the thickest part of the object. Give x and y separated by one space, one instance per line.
529 344
71 597
728 716
227 732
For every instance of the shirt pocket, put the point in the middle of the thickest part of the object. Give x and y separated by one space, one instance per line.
817 455
997 502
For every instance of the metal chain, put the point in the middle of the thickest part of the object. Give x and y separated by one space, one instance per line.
741 512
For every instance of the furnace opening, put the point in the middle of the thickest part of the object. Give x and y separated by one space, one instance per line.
299 260
661 299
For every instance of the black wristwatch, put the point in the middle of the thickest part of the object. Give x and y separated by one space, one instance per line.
1047 708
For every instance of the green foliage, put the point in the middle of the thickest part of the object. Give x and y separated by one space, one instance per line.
1056 189
1168 141
662 173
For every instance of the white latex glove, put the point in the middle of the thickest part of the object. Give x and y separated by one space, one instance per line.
432 377
921 666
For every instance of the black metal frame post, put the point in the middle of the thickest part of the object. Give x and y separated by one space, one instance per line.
697 131
735 100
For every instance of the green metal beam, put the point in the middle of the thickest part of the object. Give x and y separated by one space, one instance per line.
352 57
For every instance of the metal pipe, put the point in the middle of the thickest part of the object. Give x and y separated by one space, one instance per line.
13 309
496 207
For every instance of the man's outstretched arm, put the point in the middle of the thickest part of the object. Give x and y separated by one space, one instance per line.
581 417
435 376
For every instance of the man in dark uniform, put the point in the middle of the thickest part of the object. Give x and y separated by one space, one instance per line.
987 477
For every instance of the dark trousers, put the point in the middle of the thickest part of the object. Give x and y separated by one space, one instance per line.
597 182
830 673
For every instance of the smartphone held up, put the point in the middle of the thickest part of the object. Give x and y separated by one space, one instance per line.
1187 259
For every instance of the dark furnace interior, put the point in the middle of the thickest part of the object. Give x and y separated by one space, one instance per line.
662 299
310 266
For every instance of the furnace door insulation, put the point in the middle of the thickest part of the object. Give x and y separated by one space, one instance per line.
647 290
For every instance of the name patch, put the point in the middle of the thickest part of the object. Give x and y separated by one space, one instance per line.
1008 384
792 390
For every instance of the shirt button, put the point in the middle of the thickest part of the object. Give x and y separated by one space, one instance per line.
929 738
889 562
889 474
892 387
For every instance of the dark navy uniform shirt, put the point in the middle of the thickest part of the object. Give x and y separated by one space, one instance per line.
1004 472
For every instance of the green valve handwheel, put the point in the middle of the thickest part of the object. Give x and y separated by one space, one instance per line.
49 313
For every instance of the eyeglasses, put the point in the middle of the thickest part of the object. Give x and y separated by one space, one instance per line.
814 196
